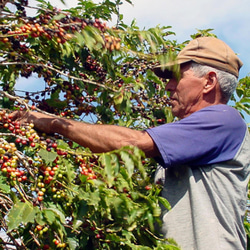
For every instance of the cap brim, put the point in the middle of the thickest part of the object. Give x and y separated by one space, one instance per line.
170 69
163 72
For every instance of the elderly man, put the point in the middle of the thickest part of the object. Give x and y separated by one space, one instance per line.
204 156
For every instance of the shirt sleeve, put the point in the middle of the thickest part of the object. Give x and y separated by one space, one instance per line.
210 135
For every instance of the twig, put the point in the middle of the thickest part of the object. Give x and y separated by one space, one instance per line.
15 98
22 101
35 239
59 72
6 198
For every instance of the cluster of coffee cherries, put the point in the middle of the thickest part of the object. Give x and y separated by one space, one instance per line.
112 43
37 30
59 30
45 177
92 65
42 231
86 167
15 163
17 166
12 162
25 135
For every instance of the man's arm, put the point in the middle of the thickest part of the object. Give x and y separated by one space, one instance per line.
98 138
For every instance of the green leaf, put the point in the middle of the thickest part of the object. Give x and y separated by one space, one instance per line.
91 38
82 209
62 144
239 92
57 103
108 168
77 224
164 202
128 162
6 102
94 198
150 219
137 157
73 243
67 50
47 156
49 215
58 214
40 218
118 98
69 171
21 213
79 38
3 186
58 17
245 100
115 164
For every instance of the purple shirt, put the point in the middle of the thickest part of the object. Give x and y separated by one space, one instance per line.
211 135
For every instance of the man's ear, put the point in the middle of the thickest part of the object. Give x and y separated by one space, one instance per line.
210 82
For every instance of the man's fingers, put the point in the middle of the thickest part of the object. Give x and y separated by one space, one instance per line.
14 115
19 116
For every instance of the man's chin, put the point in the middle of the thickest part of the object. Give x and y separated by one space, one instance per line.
176 112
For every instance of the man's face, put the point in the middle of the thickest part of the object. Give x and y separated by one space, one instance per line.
186 94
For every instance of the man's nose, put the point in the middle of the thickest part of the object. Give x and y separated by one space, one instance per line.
171 85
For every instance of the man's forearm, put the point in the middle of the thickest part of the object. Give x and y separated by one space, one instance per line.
98 138
103 138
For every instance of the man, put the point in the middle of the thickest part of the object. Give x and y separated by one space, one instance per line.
204 156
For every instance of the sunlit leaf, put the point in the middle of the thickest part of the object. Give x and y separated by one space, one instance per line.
47 156
3 185
21 213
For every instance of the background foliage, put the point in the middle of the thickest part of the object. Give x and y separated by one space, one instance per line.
54 193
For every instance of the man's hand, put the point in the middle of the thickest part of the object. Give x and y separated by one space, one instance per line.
21 116
41 121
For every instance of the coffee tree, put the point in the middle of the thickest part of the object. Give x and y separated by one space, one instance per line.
54 193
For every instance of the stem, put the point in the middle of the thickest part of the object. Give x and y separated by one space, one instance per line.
60 72
34 237
15 98
22 101
21 193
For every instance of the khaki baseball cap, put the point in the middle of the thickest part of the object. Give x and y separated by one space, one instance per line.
208 51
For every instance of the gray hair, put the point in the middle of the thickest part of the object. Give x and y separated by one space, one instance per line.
227 81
